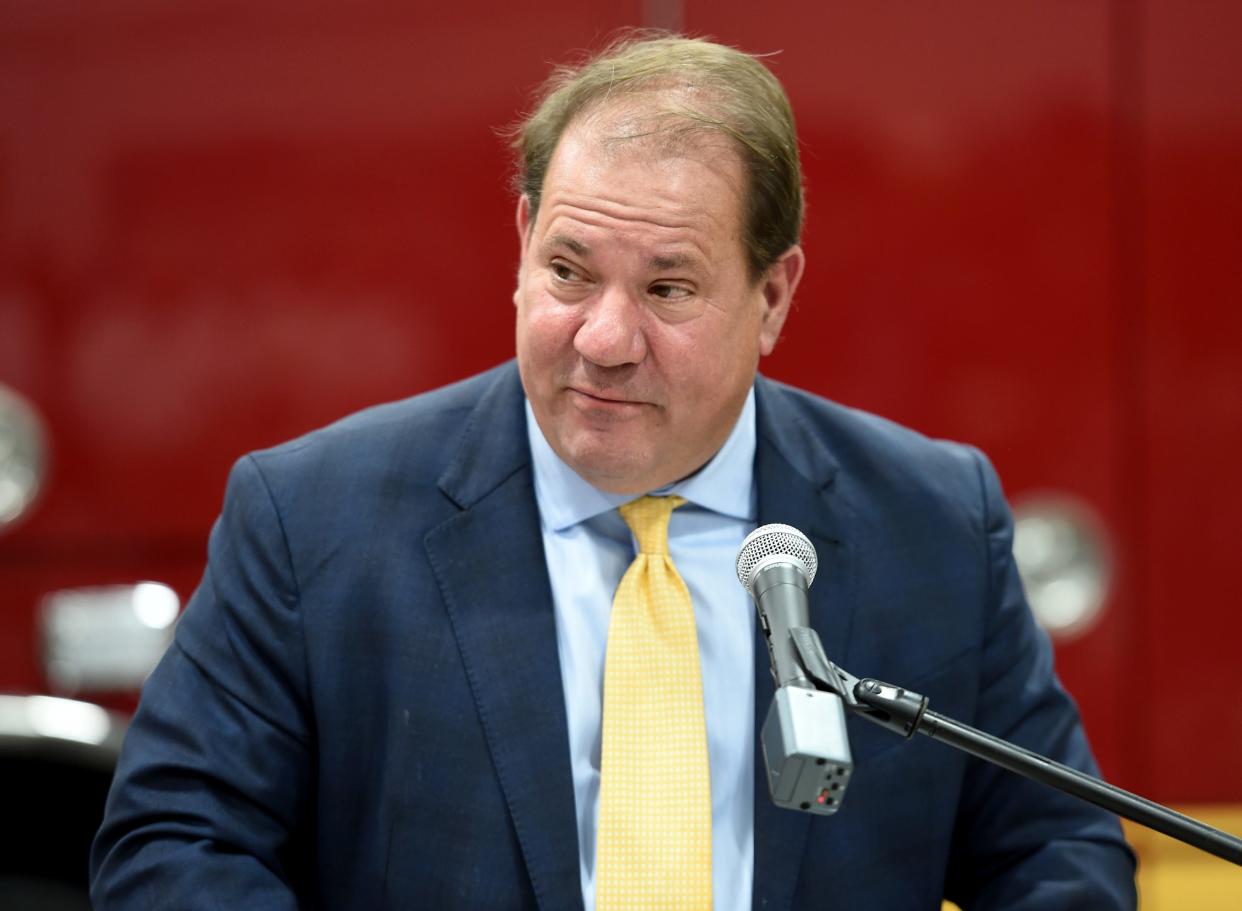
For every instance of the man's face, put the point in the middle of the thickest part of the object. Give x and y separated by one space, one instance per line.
638 327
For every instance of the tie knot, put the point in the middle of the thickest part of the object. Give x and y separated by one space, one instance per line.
648 518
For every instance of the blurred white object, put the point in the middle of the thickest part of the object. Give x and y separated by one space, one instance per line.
1065 561
63 730
50 716
106 639
22 456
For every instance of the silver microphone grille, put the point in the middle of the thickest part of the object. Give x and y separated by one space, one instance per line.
772 541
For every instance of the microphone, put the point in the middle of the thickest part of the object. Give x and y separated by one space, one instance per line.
805 747
776 565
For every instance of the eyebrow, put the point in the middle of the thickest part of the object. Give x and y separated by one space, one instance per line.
659 263
671 261
575 247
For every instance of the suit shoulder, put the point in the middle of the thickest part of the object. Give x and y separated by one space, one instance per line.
880 454
421 433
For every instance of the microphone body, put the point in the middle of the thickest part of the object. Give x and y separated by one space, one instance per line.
806 750
780 592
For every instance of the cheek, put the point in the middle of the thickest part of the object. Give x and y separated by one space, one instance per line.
545 334
708 365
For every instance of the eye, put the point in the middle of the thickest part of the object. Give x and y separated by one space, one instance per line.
563 273
669 292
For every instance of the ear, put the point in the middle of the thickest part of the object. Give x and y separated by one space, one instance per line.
522 219
778 286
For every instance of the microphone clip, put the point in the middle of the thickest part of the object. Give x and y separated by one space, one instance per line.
894 707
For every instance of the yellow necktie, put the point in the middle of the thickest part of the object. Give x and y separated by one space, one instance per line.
655 804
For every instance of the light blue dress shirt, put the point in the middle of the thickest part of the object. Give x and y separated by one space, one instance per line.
588 548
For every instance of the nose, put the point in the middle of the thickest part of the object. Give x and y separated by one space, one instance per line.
611 335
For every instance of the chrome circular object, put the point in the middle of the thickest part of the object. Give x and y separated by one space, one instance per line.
1064 559
22 457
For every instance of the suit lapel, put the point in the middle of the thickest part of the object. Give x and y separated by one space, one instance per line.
489 562
795 474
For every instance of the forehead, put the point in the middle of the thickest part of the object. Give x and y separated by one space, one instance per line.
619 168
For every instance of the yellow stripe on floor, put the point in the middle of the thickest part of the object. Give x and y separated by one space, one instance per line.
1173 876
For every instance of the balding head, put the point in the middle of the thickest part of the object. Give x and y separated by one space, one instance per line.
665 91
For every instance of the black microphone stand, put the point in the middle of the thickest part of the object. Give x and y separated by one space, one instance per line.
906 713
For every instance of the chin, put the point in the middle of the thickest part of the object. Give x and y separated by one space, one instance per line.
611 466
614 475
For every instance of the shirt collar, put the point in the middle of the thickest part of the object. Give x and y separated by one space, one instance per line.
724 485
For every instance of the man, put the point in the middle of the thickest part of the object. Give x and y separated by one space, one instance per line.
416 673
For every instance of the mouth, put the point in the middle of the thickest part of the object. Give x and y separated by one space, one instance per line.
592 400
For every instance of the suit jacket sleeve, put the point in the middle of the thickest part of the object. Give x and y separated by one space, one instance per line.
1018 844
209 791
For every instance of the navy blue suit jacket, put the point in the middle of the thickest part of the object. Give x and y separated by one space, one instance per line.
363 708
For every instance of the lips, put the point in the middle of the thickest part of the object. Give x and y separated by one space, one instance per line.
605 397
604 401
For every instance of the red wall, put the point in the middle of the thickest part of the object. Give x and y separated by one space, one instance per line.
222 224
